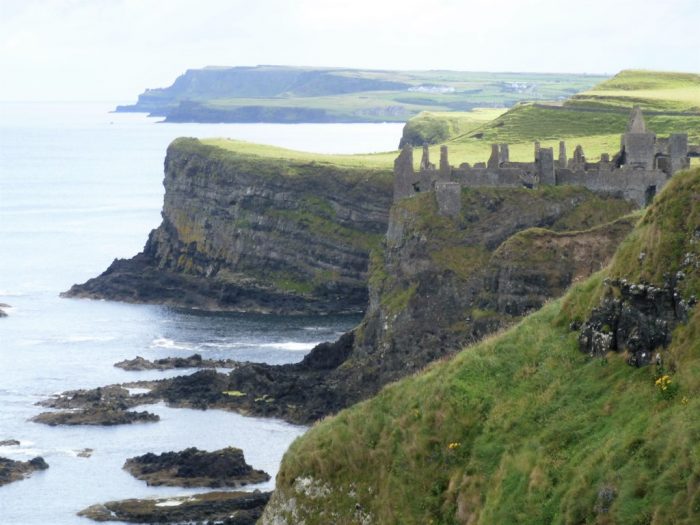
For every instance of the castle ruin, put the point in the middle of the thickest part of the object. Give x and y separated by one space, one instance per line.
637 172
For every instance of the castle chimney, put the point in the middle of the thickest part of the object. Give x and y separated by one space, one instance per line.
425 159
493 159
504 154
444 163
562 154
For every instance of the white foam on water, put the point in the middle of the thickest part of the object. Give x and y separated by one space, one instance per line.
292 346
164 342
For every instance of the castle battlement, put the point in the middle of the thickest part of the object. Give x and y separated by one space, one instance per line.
637 172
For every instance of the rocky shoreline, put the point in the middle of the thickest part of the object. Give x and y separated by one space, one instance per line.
227 508
169 363
195 468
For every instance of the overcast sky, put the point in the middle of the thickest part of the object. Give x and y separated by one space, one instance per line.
114 49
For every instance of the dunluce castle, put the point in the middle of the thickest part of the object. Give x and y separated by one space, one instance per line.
640 169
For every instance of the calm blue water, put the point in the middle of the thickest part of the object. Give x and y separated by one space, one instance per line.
79 187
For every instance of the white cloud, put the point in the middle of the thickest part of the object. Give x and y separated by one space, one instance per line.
113 49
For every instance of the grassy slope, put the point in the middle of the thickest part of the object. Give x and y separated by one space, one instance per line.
523 428
654 91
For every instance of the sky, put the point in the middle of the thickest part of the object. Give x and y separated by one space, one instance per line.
111 50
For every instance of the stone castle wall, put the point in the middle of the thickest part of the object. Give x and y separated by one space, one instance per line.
636 173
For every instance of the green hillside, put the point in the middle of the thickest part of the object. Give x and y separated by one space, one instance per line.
652 90
523 427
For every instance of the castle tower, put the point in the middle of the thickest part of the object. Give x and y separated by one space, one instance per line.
638 144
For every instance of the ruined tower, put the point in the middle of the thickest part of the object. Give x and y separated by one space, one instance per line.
638 144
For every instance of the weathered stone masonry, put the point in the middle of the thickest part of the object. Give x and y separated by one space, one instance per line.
637 172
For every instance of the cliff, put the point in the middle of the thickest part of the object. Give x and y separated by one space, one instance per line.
246 233
525 426
435 284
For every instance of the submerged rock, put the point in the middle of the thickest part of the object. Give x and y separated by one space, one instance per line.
194 361
195 468
11 470
231 508
95 416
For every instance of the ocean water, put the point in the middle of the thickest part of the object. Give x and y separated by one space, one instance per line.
80 186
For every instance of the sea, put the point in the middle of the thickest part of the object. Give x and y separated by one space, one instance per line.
79 187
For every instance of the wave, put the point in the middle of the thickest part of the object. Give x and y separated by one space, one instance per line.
292 346
171 344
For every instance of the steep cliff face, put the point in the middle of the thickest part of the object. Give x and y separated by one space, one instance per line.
436 284
245 233
441 283
523 427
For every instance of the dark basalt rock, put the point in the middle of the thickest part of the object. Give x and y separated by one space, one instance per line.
194 361
95 416
238 229
2 312
11 470
9 443
229 508
195 468
635 317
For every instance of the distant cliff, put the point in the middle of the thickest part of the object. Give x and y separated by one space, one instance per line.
244 233
304 94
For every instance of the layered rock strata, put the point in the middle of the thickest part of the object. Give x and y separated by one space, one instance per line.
244 233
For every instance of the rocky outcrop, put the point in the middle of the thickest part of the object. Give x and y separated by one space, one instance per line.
195 468
227 508
637 318
11 470
653 283
169 363
243 233
95 416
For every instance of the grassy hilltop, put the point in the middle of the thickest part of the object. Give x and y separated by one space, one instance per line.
523 427
593 121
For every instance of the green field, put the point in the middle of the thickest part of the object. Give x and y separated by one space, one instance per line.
469 135
524 428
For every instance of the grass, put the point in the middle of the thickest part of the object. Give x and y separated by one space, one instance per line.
653 90
430 127
522 427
